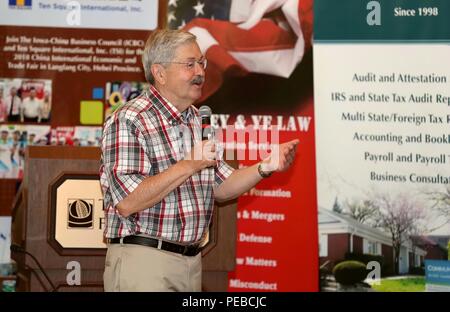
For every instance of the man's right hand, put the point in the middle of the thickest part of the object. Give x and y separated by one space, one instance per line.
154 188
202 155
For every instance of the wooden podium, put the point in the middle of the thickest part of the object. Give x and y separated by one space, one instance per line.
57 218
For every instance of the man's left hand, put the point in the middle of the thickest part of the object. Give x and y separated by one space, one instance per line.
281 157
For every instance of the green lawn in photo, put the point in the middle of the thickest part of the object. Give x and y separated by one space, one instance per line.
410 284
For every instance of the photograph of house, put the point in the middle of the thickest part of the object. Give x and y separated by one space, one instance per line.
434 245
340 234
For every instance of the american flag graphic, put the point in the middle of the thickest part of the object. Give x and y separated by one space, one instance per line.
245 36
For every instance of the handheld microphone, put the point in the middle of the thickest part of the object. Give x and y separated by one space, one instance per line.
20 249
205 114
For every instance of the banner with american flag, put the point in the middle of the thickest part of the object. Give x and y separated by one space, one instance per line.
246 36
260 71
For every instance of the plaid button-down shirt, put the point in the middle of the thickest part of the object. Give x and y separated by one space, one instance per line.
143 138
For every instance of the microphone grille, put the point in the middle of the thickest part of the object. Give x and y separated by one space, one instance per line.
204 111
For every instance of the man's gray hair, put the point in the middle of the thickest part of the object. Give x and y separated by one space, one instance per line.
161 46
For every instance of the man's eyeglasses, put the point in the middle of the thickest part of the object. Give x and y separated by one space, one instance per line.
190 65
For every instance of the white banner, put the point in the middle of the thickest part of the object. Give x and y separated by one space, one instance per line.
103 14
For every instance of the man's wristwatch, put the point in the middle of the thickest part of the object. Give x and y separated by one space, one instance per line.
262 173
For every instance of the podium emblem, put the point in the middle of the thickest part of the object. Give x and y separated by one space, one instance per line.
80 213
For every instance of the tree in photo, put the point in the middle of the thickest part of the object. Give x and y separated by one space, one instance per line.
363 211
441 204
401 216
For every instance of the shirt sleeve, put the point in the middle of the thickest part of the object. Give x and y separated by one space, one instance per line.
222 172
125 161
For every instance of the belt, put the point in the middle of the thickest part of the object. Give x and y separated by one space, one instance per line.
185 250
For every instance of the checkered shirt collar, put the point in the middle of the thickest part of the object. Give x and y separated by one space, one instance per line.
167 109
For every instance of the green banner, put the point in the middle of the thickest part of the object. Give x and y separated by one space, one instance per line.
382 20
